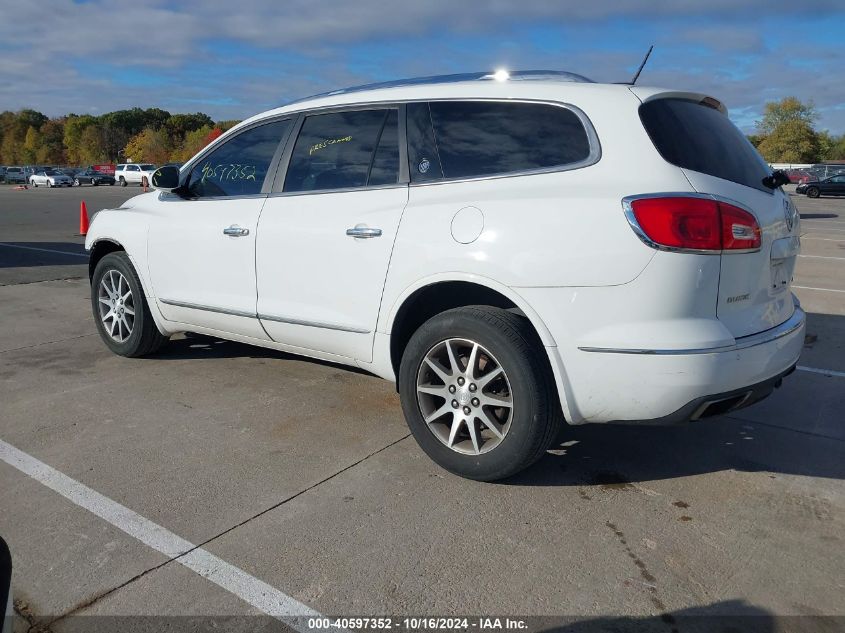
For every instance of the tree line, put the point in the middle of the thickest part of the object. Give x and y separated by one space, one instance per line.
785 134
153 135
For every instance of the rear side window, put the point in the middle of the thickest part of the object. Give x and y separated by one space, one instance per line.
342 150
478 138
238 166
696 136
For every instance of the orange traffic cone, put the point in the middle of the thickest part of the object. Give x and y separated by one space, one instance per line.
83 218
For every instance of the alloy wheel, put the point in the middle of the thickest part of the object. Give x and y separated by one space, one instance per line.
116 305
464 396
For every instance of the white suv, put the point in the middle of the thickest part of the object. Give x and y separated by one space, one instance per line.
134 173
511 252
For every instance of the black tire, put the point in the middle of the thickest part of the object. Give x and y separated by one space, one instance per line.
49 184
813 192
512 341
94 183
145 338
122 181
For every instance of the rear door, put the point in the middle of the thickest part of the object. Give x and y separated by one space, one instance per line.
716 158
835 185
326 236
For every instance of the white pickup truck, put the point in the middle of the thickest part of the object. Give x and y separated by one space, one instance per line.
134 173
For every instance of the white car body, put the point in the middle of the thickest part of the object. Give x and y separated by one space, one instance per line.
53 179
134 173
632 332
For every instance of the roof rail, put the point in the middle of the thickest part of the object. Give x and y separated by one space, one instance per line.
499 75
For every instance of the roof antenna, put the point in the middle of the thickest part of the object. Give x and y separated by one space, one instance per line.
640 69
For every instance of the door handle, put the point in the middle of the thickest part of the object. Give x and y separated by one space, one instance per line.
363 232
235 231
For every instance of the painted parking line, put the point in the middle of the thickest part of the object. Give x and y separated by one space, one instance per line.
44 250
823 239
812 288
820 257
234 580
825 372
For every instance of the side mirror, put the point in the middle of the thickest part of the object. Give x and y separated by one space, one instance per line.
166 178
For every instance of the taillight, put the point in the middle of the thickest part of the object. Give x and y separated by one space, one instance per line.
693 224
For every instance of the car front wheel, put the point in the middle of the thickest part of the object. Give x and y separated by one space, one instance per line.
120 309
122 181
477 394
813 192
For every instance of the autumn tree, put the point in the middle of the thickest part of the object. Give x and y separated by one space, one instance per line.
91 149
788 133
52 149
75 126
150 145
31 144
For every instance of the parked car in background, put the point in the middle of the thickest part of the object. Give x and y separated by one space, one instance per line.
15 175
50 178
483 242
92 177
2 173
799 176
134 174
833 186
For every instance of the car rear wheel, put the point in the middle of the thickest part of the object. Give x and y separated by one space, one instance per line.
476 393
813 192
120 308
49 184
76 182
122 181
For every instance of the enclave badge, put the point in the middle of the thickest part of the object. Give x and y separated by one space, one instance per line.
789 213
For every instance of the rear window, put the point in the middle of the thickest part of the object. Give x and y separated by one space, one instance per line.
696 136
478 138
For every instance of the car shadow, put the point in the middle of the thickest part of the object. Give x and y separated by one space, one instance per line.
191 345
720 617
33 254
616 457
779 435
818 216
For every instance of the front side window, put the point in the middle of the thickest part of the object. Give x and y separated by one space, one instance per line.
239 165
342 150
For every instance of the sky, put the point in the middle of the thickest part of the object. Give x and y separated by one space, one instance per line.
234 58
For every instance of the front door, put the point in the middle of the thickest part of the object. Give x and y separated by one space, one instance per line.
201 250
325 239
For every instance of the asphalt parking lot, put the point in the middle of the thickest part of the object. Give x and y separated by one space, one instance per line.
297 480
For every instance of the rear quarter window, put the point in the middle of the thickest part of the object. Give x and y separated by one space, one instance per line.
483 138
696 136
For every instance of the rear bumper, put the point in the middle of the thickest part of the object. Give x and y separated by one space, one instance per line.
654 386
717 404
